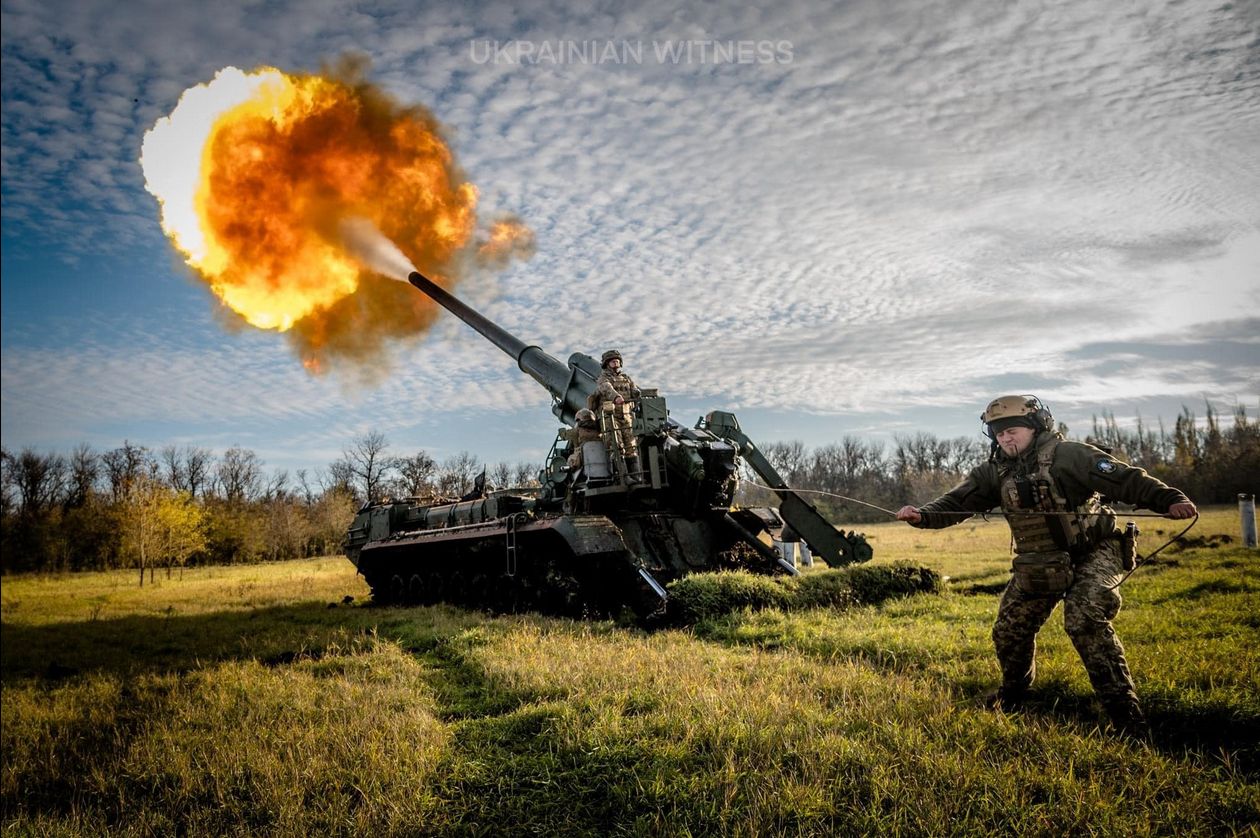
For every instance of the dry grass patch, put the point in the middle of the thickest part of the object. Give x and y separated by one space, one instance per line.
344 742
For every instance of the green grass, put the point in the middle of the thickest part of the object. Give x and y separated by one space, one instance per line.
248 700
703 597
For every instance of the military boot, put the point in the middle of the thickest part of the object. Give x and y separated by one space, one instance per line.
1006 699
1127 717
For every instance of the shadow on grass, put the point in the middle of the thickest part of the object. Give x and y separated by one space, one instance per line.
513 761
275 636
1213 731
132 648
990 589
521 768
536 765
1216 732
1211 586
465 691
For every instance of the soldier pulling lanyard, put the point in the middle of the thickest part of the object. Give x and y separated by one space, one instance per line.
1141 560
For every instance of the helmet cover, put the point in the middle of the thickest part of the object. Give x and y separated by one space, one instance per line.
1016 411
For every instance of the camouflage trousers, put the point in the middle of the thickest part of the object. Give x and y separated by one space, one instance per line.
618 428
1089 606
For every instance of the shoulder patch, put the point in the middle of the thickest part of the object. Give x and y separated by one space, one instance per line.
1105 466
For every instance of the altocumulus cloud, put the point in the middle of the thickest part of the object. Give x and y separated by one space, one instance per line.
921 203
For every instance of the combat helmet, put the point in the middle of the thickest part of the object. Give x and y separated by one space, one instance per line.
585 415
1016 411
608 356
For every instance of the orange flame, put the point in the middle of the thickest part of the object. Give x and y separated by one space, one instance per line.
280 161
509 238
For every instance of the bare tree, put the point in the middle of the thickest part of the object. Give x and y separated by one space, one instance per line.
305 489
198 464
501 474
417 474
85 468
922 452
287 529
8 482
366 465
40 480
965 453
123 466
456 474
173 464
525 474
239 475
339 476
852 468
788 458
325 480
187 469
277 487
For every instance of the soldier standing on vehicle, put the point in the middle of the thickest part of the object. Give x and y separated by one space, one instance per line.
1079 558
616 394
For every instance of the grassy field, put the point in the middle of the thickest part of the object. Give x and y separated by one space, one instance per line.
253 700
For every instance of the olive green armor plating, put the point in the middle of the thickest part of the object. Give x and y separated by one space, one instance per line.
609 526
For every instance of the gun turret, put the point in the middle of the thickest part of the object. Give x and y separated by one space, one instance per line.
569 384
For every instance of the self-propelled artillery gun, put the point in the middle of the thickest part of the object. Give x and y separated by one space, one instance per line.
602 531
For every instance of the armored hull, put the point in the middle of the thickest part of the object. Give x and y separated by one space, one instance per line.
573 564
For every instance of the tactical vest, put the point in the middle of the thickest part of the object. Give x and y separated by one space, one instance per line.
620 382
1040 492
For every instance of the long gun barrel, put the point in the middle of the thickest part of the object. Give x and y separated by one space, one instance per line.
569 384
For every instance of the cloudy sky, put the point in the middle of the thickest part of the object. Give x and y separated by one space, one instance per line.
863 217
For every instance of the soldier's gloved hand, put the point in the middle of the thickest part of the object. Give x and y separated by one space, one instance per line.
619 400
1182 510
909 514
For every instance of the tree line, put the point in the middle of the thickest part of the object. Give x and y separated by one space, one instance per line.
132 507
1210 462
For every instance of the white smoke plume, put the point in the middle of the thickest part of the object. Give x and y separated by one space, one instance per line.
370 246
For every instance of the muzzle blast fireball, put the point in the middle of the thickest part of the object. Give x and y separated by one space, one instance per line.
257 174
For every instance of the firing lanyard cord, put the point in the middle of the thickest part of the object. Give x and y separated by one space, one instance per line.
1141 561
1144 559
820 492
951 514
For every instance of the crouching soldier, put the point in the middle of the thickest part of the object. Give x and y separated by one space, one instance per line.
584 430
1075 553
